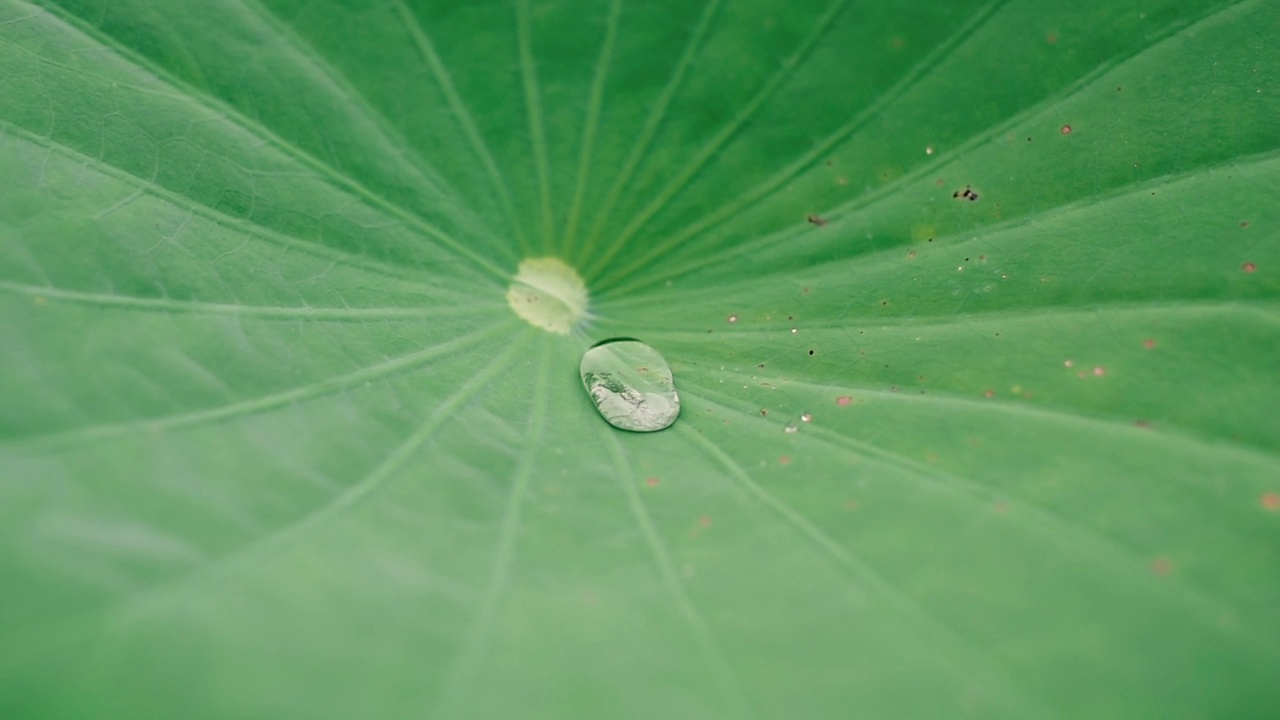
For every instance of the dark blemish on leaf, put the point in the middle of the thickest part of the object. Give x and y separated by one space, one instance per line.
810 352
1143 424
816 220
911 254
893 388
763 412
1244 223
1248 267
1119 88
1270 501
830 162
760 365
966 194
1162 566
1149 344
804 291
1066 129
939 182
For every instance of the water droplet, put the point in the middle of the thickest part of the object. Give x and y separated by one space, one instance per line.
806 418
631 385
791 428
733 318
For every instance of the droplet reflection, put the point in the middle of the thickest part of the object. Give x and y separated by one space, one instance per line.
631 385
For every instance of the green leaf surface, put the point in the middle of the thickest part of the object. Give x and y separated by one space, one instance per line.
273 444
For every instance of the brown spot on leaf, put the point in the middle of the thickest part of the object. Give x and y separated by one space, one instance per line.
1270 501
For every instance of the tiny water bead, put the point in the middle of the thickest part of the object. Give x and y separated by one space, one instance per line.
631 385
548 294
